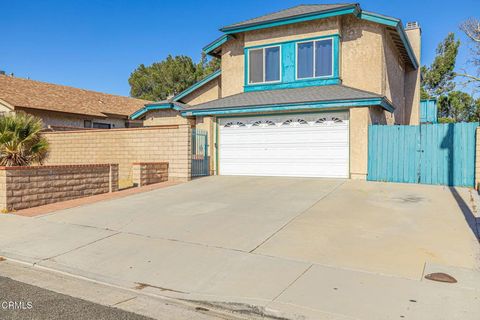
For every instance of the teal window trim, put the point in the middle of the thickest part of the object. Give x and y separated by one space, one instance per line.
247 65
382 102
295 40
197 85
301 83
294 83
149 107
334 59
349 9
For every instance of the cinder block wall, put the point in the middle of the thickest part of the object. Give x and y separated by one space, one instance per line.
26 187
145 173
125 146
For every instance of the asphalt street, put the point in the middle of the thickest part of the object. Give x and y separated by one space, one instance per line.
19 301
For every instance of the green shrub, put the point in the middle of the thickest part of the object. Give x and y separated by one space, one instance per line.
21 140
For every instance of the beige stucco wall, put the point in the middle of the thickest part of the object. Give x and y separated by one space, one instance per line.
361 54
125 147
412 80
70 120
164 117
393 80
359 120
208 92
233 66
296 31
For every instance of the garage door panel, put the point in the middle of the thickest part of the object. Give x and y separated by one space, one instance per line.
278 169
278 154
285 145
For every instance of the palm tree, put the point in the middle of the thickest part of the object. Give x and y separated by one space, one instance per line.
21 140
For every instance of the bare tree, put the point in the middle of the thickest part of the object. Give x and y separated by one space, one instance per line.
471 28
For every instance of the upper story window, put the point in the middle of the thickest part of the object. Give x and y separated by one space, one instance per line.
264 65
315 59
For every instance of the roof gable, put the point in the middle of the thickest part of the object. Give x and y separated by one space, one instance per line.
303 13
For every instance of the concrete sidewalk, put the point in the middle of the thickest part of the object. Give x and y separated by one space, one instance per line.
218 249
237 280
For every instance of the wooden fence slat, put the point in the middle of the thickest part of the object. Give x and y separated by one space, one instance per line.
430 153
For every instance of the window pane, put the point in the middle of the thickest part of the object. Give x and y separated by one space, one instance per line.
256 65
272 64
323 58
98 125
305 60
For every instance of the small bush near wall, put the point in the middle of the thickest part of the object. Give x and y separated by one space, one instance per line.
21 140
26 187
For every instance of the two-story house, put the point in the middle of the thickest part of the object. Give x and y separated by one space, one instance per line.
297 90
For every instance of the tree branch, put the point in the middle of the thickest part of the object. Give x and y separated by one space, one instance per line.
469 76
471 27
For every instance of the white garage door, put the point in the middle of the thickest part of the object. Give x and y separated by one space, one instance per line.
300 145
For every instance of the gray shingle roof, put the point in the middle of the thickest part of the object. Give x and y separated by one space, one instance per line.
300 10
287 96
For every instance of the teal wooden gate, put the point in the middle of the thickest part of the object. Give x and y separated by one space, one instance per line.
200 158
441 154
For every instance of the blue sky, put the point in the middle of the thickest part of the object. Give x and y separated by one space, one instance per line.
96 44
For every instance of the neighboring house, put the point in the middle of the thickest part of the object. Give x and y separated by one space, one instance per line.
62 107
298 89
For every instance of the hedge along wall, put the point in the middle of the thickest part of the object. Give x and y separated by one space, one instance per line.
125 146
26 187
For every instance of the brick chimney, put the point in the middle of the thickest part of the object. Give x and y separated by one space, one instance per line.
414 34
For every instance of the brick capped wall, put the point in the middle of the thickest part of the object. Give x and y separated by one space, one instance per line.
26 187
145 173
125 146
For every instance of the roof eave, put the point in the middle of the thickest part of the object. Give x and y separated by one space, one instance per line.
348 9
397 24
197 85
331 104
153 106
217 43
35 109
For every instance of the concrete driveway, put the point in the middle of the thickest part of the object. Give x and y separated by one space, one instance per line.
268 241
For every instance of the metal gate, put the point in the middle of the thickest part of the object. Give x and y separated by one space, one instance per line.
200 158
429 153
